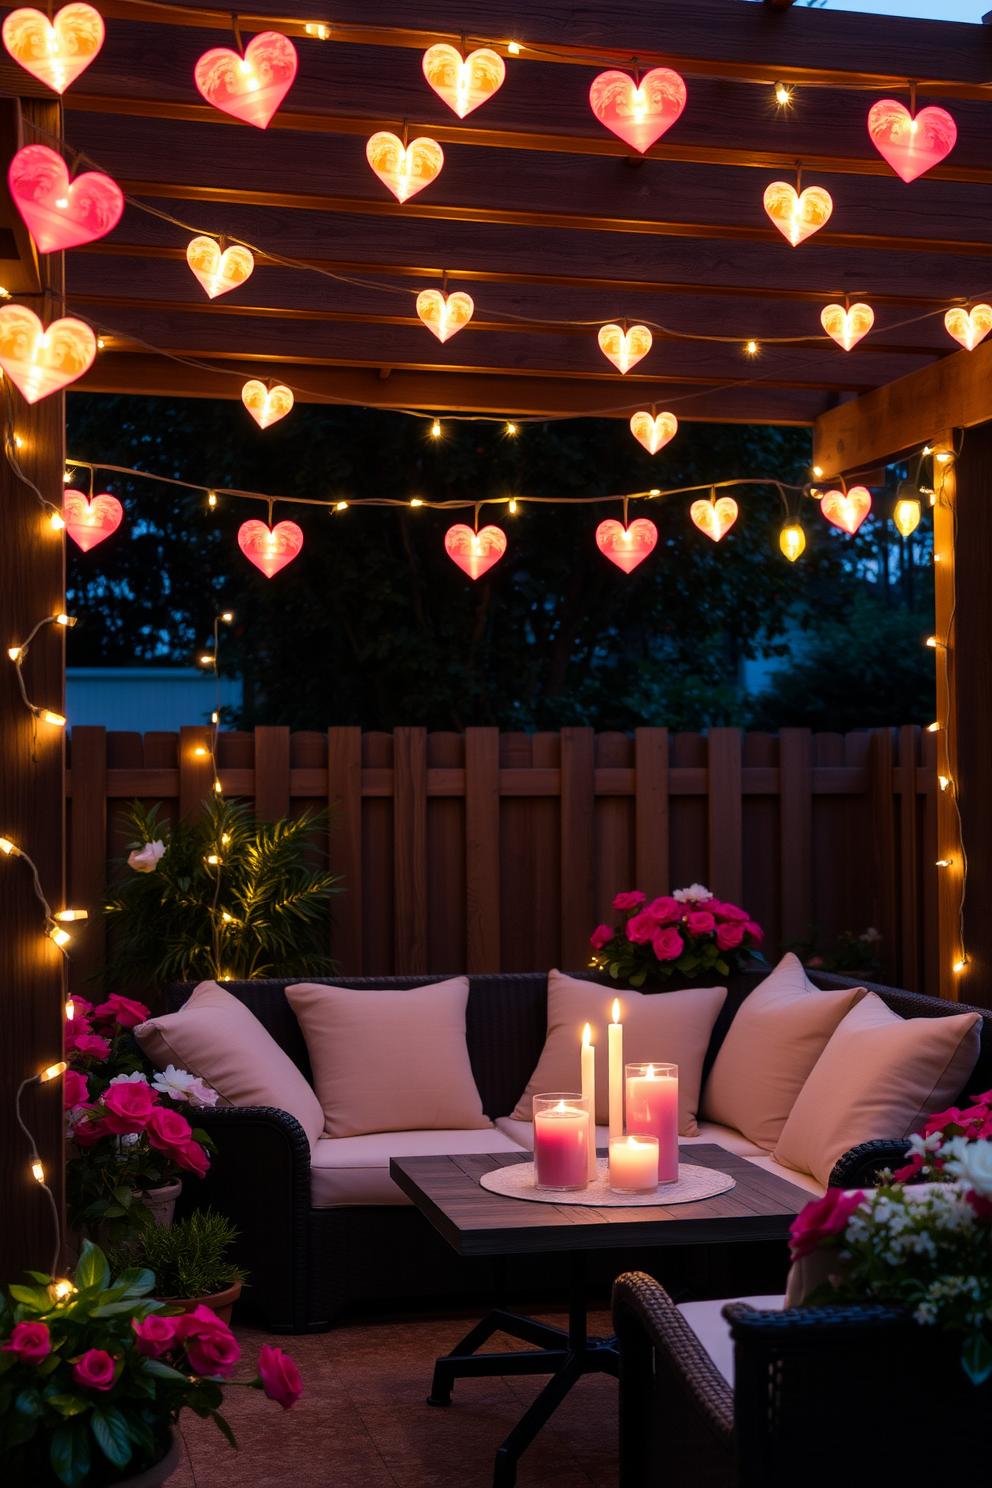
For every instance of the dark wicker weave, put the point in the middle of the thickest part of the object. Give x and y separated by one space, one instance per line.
308 1264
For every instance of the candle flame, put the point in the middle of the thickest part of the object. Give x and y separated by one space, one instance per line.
650 1071
560 1107
587 1037
633 1142
616 1010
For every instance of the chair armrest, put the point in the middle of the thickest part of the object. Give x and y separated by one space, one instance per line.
860 1167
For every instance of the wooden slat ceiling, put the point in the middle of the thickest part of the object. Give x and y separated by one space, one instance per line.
539 212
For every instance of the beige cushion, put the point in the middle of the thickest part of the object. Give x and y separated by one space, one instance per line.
345 1171
523 1133
713 1331
388 1060
879 1076
216 1037
663 1027
777 1035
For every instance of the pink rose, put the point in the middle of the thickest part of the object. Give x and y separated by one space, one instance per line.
122 1010
640 928
667 944
75 1088
600 936
629 900
94 1370
729 936
192 1157
664 911
31 1342
168 1131
280 1376
731 912
755 931
211 1347
700 922
88 1125
128 1107
89 1045
156 1334
822 1220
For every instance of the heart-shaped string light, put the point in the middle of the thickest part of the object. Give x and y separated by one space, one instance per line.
912 143
474 552
56 51
797 215
654 431
405 169
269 548
847 326
626 546
40 361
219 272
266 405
89 522
251 87
624 348
969 327
466 82
847 509
445 314
58 215
714 517
639 111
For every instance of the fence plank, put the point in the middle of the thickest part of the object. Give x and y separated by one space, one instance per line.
482 848
88 864
883 816
578 878
795 756
651 811
344 853
928 872
196 773
410 848
909 860
271 773
725 821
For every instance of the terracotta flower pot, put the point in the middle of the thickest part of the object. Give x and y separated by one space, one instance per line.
219 1302
160 1471
161 1201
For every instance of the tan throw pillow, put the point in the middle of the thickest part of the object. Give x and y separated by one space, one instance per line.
879 1076
216 1037
390 1061
660 1027
777 1035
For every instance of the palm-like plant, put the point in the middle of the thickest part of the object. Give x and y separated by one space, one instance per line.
229 898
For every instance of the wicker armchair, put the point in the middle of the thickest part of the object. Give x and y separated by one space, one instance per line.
853 1394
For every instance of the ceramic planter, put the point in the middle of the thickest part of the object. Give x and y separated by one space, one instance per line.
160 1471
219 1302
161 1201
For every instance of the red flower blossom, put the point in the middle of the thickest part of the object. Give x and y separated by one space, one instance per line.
601 936
75 1088
156 1334
667 944
729 936
641 927
122 1010
31 1342
280 1376
89 1045
665 911
211 1347
128 1107
95 1370
822 1220
699 922
192 1157
630 900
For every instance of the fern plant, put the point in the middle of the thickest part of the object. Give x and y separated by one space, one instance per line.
188 1258
226 898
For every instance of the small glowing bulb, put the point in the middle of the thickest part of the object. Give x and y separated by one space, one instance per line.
4 293
14 652
818 471
67 620
62 1289
218 787
225 839
932 642
212 499
57 522
513 47
215 718
67 477
512 507
944 862
341 506
37 1171
943 457
227 616
511 428
100 344
783 95
70 1010
52 1072
792 541
654 493
67 916
416 501
199 750
60 937
751 349
47 716
933 728
8 848
943 781
18 441
906 515
436 429
215 860
206 660
960 965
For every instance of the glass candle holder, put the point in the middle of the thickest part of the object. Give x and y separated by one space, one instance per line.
561 1140
633 1164
653 1110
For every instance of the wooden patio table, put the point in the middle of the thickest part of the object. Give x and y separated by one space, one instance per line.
476 1222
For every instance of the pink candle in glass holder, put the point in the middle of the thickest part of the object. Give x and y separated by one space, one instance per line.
653 1109
561 1141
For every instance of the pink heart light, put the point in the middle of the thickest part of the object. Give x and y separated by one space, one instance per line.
911 144
266 405
847 326
795 216
847 511
270 549
626 546
58 215
37 361
250 87
405 169
969 327
89 522
445 314
463 83
715 518
654 433
474 552
638 113
55 52
218 272
624 348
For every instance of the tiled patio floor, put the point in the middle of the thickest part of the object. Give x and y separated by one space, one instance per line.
363 1423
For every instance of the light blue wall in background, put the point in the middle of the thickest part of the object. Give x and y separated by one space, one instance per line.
141 699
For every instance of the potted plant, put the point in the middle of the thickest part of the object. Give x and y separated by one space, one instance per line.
94 1374
188 1262
688 932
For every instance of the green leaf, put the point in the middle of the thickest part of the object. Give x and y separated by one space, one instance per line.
163 1371
40 1277
225 1428
68 1405
36 1297
92 1270
28 1403
139 1280
122 1194
113 1309
113 1438
722 967
638 978
70 1453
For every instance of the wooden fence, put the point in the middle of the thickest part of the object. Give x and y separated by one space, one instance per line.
489 851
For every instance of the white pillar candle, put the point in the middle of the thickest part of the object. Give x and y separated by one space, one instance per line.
589 1093
653 1109
616 1072
633 1164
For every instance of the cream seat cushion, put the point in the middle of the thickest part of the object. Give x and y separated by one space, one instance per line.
777 1035
879 1076
523 1133
663 1027
355 1170
713 1331
390 1060
216 1037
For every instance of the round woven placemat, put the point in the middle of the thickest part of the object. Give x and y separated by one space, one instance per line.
516 1181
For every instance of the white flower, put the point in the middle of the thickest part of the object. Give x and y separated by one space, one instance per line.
694 894
179 1085
136 1079
870 935
971 1162
145 859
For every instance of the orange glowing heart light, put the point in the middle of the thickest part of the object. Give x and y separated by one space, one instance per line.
463 82
445 314
638 111
911 143
474 552
251 87
626 546
847 509
847 327
56 51
405 169
58 215
654 431
89 522
219 272
969 327
797 216
40 361
270 549
266 405
715 518
624 348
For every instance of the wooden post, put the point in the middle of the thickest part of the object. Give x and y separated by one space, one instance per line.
271 773
578 869
410 848
726 815
344 801
482 848
651 811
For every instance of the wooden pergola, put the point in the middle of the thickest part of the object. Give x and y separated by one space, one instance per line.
554 226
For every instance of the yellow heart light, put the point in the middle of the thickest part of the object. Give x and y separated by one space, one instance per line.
624 348
906 514
445 314
792 541
266 405
654 432
715 518
466 82
405 169
41 361
55 52
847 326
795 216
847 510
219 272
969 327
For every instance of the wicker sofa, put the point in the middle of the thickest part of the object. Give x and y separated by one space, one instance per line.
307 1263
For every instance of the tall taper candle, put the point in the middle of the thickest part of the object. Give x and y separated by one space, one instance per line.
616 1072
589 1091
